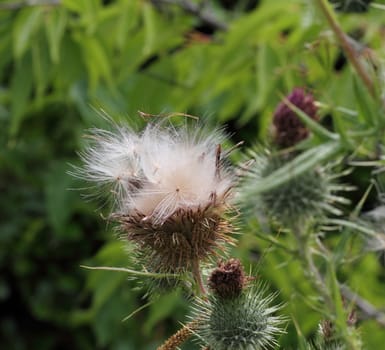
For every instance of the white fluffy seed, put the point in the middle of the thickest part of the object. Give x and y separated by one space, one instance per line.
160 171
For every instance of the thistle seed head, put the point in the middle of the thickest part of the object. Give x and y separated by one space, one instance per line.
171 188
289 129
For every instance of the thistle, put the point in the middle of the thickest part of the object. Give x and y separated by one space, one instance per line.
302 199
289 129
237 316
170 189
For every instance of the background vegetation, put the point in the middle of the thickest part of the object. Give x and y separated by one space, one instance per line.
62 62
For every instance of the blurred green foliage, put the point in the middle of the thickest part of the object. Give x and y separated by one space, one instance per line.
63 61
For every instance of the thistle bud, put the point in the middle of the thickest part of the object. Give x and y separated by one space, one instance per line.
228 279
326 330
289 129
243 321
328 338
303 197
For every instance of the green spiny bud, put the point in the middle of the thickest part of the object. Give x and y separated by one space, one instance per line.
302 198
245 321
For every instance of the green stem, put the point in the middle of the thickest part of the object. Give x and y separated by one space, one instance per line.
131 272
349 50
316 278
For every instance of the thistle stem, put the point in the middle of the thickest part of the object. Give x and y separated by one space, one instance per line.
179 337
316 278
198 277
347 47
307 261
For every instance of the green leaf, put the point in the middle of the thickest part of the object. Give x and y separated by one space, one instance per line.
341 128
335 293
105 283
340 250
366 230
266 64
301 338
364 103
41 67
71 68
129 16
96 59
5 51
21 88
91 15
25 26
74 5
161 309
59 199
55 24
88 11
149 25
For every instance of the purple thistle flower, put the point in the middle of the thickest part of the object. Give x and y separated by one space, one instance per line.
289 129
228 279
